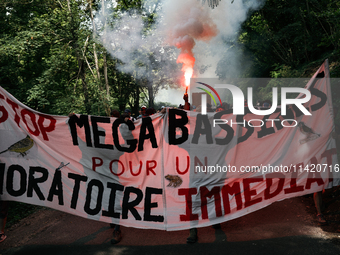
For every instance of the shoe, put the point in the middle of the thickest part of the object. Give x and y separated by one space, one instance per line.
2 237
216 226
192 236
117 236
321 219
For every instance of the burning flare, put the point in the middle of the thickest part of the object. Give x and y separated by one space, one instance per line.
188 74
193 23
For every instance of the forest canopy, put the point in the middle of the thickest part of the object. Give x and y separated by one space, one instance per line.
52 57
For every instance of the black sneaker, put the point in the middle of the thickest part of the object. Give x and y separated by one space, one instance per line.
216 226
117 236
192 236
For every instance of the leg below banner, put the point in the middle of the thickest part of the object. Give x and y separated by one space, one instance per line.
192 236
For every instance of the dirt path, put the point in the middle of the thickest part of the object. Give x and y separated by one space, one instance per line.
286 227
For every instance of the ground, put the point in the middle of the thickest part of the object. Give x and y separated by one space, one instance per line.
331 200
285 227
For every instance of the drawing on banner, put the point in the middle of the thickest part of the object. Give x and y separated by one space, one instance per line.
174 180
308 132
62 165
21 146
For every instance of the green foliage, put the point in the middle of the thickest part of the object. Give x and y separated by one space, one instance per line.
291 39
47 58
286 35
51 60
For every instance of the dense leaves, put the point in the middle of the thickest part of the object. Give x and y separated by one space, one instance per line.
53 60
291 39
288 35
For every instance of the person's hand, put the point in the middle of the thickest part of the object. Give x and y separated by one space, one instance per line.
186 97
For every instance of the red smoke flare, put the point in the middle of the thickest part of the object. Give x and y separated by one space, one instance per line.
195 26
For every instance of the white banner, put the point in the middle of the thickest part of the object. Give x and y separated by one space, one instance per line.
174 171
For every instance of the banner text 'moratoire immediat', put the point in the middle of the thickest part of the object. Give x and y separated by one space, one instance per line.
242 190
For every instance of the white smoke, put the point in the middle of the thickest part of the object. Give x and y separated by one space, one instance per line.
187 24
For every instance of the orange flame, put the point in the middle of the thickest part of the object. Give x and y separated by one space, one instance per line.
188 61
191 24
188 74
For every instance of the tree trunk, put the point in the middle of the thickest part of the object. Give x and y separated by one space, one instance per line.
136 105
151 94
105 100
105 76
94 44
104 54
96 63
80 61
